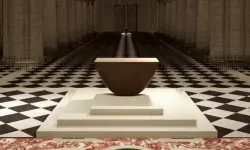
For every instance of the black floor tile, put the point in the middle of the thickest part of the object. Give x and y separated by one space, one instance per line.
239 117
31 131
220 100
41 93
213 93
23 108
203 108
13 93
212 118
241 93
230 108
33 100
222 131
50 108
6 99
245 129
41 118
13 118
6 129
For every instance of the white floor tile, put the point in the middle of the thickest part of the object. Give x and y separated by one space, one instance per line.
245 112
25 124
22 96
218 113
202 96
43 104
12 104
229 124
35 113
238 134
209 104
51 96
6 111
15 134
240 104
231 96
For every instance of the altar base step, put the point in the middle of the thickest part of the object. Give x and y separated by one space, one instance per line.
96 113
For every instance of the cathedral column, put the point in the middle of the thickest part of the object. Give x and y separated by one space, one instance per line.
1 26
158 15
95 7
23 30
50 26
72 22
168 17
99 15
227 22
79 20
217 36
62 24
91 18
247 29
163 16
190 22
235 35
202 38
153 15
88 3
180 32
84 17
173 19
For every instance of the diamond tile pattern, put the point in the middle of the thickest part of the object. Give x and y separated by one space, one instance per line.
231 117
166 76
21 113
225 110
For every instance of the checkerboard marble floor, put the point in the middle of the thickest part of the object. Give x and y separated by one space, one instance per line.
87 76
245 71
5 70
22 111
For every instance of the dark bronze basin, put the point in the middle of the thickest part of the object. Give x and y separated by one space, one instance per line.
126 76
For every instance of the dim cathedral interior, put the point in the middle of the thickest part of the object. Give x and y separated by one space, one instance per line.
125 74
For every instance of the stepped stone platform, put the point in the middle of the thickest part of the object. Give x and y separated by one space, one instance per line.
155 113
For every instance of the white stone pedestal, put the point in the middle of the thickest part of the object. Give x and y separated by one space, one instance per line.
156 113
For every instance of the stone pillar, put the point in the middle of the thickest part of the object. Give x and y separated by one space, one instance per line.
216 28
180 33
235 27
36 47
23 35
50 26
158 15
190 22
99 15
88 3
168 17
72 22
95 6
1 27
202 38
84 23
173 19
247 29
163 16
79 20
91 16
153 15
62 24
